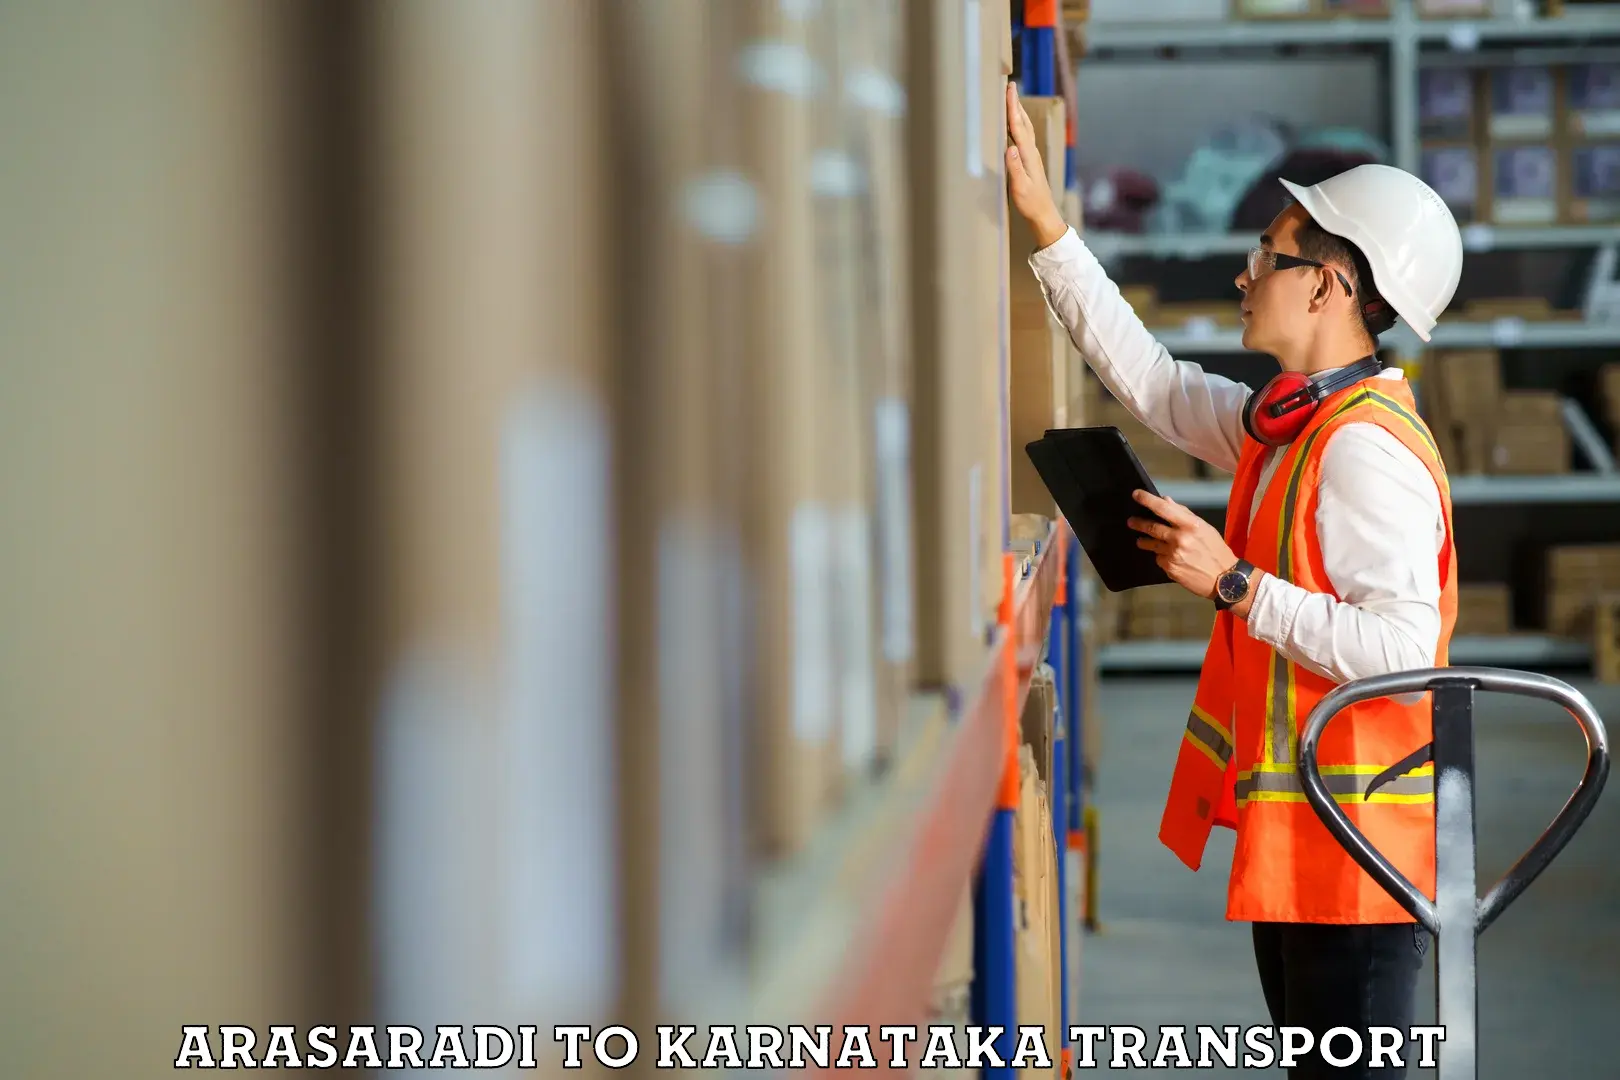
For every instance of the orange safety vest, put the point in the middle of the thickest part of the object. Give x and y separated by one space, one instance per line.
1237 764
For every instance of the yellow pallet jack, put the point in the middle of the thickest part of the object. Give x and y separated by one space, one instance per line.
1456 916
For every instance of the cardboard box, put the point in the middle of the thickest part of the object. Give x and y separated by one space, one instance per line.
1040 396
1448 104
1531 408
1592 101
1039 977
1524 185
1606 639
1456 174
790 534
1584 567
951 437
1576 574
1530 450
1523 103
993 304
875 46
1593 178
1483 609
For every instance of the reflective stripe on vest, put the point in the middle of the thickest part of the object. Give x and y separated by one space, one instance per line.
1208 735
1346 783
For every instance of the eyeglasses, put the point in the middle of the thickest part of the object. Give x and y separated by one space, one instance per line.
1263 260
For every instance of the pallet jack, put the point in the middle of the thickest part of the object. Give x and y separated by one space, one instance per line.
1457 916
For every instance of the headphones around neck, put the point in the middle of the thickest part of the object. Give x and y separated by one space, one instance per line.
1279 411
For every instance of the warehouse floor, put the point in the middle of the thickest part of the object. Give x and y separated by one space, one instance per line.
1549 968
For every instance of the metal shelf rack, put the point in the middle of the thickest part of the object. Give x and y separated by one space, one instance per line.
1505 650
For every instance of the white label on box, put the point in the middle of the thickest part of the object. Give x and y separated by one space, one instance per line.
810 542
1596 124
975 550
975 126
722 206
691 754
781 66
853 591
558 753
836 175
876 91
893 453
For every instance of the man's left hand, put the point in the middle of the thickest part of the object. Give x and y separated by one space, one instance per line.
1189 549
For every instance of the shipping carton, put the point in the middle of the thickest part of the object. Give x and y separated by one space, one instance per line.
1524 102
790 535
1524 184
1592 176
1592 101
951 434
1483 609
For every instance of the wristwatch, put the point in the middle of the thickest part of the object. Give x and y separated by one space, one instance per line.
1233 586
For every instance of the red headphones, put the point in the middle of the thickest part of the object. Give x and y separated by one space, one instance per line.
1279 411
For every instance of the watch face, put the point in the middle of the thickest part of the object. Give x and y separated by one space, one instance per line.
1232 586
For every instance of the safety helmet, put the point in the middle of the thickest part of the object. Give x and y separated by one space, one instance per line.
1406 232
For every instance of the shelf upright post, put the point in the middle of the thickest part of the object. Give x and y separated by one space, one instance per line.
1058 650
995 984
1403 89
1038 38
1074 685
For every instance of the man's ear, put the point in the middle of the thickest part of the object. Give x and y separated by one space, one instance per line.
1324 287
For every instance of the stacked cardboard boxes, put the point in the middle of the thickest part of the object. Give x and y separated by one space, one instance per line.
960 443
1576 575
1484 608
1481 427
1166 613
1609 399
793 475
1162 460
1523 145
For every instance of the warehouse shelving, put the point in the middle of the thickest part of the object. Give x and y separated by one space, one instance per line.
1500 650
1401 26
1199 336
1578 487
1476 238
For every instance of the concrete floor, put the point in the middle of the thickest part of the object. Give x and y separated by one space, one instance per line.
1549 969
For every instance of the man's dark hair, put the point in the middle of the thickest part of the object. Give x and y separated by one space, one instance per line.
1319 245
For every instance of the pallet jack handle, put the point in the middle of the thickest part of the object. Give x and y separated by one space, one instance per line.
1456 916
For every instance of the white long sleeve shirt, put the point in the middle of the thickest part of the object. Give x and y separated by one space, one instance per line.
1379 517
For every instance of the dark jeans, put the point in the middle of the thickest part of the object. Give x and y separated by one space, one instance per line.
1321 977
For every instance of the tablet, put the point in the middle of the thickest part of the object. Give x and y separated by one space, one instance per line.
1091 473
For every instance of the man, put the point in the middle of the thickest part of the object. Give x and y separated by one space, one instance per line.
1336 563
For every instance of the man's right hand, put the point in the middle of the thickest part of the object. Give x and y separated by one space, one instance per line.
1026 176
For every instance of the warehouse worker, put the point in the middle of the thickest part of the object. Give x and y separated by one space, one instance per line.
1336 563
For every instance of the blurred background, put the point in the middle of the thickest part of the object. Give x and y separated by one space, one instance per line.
514 511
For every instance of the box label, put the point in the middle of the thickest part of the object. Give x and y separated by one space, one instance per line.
971 31
810 552
552 766
893 453
858 681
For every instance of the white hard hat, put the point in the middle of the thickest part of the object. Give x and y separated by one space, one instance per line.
1404 229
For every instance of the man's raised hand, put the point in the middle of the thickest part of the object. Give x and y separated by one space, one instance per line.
1026 176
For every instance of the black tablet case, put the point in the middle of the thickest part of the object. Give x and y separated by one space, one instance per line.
1090 473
